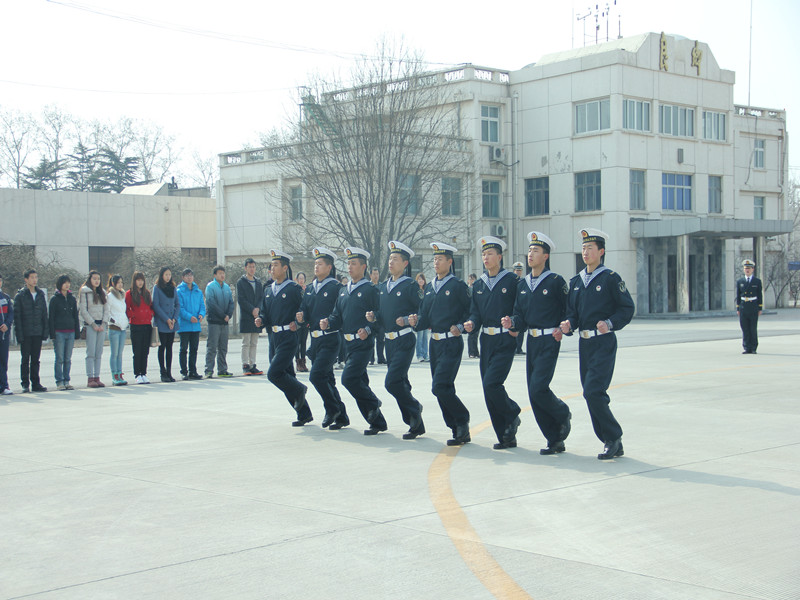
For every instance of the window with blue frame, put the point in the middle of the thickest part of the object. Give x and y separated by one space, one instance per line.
676 192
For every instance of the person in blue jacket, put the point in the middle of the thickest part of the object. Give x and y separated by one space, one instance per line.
278 314
190 322
492 299
219 311
167 308
599 304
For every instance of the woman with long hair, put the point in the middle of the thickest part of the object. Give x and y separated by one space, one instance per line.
117 326
94 311
422 336
64 329
139 309
167 309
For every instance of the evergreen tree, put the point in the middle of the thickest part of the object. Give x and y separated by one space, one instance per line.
42 177
115 172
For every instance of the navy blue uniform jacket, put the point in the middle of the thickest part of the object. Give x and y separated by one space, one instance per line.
319 305
543 308
281 309
350 312
606 297
489 306
403 300
450 306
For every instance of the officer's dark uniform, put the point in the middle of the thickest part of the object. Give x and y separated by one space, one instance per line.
488 306
349 315
318 303
541 306
401 300
439 312
604 297
749 302
278 310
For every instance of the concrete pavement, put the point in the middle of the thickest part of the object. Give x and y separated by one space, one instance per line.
203 490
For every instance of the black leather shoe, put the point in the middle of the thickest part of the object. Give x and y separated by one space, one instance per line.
38 388
195 376
375 429
504 445
553 448
566 427
460 436
301 422
341 421
612 449
510 434
415 429
329 419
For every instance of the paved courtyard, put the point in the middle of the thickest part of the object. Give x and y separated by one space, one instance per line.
203 490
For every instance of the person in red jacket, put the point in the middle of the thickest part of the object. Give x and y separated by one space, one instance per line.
139 308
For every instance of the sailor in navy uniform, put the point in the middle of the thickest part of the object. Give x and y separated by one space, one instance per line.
318 303
598 305
493 297
400 298
279 306
350 316
445 307
749 304
540 307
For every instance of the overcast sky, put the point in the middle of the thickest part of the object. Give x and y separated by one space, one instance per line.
215 74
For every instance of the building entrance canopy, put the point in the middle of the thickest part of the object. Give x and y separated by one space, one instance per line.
708 227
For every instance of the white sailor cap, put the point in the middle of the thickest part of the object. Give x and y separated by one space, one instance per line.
277 254
748 263
440 248
400 248
353 252
593 235
487 242
319 252
537 238
517 266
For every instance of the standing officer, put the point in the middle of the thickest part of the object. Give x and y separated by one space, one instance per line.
493 300
280 304
445 307
350 316
598 305
318 302
400 298
749 304
540 307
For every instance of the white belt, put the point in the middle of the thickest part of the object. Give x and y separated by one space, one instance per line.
588 333
393 335
349 337
319 333
538 332
277 328
748 298
442 336
495 330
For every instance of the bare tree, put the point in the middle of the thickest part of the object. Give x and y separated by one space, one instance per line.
155 149
17 258
371 154
56 129
17 143
203 171
784 249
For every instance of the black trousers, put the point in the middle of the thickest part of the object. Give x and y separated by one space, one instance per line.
165 351
548 409
445 358
748 321
356 381
597 356
302 343
324 352
497 356
140 345
31 349
190 340
399 354
472 343
281 370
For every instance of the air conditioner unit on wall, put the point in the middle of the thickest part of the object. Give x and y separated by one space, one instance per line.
497 153
498 230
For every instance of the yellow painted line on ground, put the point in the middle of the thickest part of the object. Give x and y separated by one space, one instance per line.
460 531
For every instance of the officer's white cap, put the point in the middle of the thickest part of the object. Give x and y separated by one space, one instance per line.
537 238
279 254
489 241
441 248
748 263
319 251
353 252
593 235
396 247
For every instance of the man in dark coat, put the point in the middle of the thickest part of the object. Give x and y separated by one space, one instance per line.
749 304
32 328
249 293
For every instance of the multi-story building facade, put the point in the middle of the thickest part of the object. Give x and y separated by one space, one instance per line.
638 137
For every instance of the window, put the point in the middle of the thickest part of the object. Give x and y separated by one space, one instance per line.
676 191
714 126
458 265
592 116
636 115
758 154
491 199
676 120
296 202
714 194
108 260
451 196
637 190
587 191
758 208
490 123
537 196
409 194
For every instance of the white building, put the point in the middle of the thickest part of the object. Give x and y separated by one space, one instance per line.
638 137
